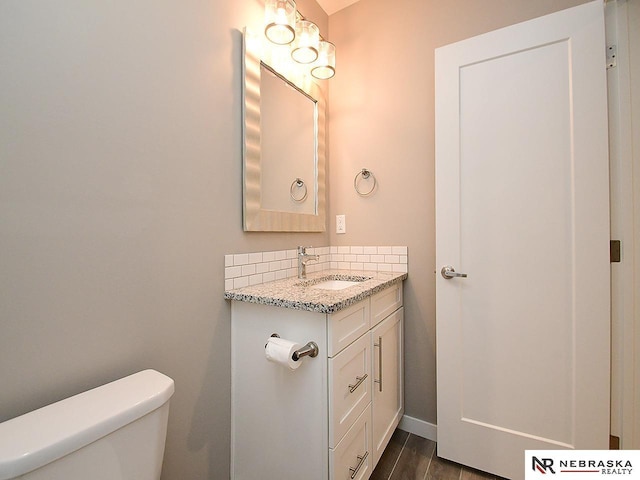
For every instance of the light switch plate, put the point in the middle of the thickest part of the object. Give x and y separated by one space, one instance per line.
341 224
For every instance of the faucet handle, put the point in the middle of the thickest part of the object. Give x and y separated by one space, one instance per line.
302 250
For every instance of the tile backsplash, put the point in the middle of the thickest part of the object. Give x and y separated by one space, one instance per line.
245 269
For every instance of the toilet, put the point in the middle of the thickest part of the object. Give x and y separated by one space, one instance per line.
114 432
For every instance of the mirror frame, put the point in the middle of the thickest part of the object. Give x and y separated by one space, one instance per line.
255 218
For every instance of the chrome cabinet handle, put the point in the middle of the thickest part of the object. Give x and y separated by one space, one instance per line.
361 459
353 388
379 345
448 272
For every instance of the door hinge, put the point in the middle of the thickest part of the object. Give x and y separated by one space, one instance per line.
614 251
612 56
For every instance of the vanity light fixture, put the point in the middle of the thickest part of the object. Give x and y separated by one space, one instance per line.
280 20
305 47
325 66
299 39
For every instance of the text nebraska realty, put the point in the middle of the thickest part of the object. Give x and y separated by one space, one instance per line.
606 467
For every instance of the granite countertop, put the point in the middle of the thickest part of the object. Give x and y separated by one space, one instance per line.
296 293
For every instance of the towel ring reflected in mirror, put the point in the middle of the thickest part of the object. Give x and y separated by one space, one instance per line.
364 174
298 184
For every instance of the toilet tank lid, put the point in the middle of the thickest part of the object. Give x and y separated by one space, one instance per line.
39 437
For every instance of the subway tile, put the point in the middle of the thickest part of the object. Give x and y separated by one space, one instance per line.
255 257
399 250
391 259
228 284
241 259
240 282
274 266
262 267
248 269
232 272
268 256
400 268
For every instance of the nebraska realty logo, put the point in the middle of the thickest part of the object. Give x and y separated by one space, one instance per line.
584 464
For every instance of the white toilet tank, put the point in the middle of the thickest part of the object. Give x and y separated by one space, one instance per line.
113 432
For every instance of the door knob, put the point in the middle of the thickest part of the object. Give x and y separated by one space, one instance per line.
448 273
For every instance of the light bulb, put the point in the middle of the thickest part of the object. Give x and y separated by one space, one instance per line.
325 66
280 18
305 48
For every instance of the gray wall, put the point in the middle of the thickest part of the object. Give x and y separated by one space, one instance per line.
120 192
382 118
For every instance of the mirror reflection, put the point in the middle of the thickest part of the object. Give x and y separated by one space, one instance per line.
288 118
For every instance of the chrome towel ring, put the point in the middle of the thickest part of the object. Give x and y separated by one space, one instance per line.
298 184
366 175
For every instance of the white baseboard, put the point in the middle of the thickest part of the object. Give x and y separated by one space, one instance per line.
419 427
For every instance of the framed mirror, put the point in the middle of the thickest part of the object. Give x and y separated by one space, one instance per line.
284 147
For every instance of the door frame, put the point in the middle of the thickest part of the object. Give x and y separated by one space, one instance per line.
625 299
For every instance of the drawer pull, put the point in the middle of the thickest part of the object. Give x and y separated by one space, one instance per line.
361 459
379 345
353 388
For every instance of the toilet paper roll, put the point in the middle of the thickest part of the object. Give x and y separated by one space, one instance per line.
280 350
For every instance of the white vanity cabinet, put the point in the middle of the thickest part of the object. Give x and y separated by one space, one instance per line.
331 418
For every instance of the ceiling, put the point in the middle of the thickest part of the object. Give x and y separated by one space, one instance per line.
332 6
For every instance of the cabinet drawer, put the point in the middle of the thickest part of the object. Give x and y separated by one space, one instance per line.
349 387
385 303
351 459
347 325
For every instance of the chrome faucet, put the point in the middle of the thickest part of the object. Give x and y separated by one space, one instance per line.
303 258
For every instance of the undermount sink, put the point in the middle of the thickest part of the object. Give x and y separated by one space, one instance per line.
335 284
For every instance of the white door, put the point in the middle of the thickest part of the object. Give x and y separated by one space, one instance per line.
522 209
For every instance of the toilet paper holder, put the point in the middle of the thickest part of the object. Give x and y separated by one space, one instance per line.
309 350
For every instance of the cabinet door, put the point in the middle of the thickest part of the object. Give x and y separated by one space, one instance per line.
388 387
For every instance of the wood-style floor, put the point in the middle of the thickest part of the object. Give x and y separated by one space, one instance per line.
409 457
